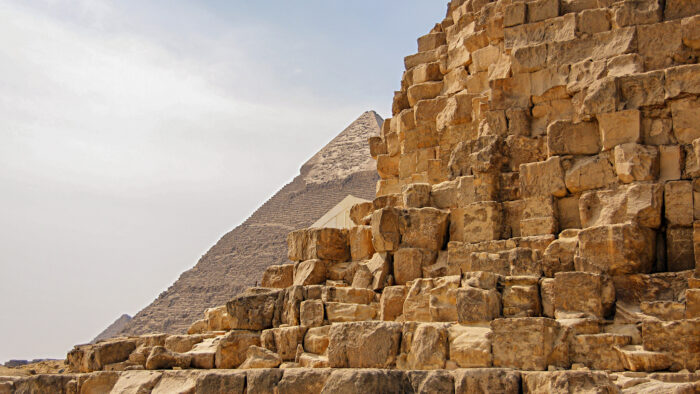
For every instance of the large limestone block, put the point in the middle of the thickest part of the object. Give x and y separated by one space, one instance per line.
428 346
635 358
416 195
545 178
619 128
348 381
685 120
310 272
349 295
684 349
204 353
523 343
231 349
360 238
262 381
477 222
443 299
487 380
311 313
474 304
521 296
457 110
568 382
590 173
385 229
559 255
567 138
253 310
583 294
678 199
89 358
258 357
360 211
388 166
423 228
680 255
302 381
391 303
635 162
364 344
316 339
183 343
692 303
416 307
470 346
342 312
423 91
286 340
214 382
616 249
409 263
373 274
597 351
638 202
318 243
664 310
278 276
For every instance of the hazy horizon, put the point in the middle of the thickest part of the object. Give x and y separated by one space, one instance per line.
135 134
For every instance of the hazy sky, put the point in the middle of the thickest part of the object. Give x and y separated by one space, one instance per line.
134 133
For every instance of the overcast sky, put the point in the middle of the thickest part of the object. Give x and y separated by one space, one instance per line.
134 133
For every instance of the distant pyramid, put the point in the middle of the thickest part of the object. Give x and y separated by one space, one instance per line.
113 329
237 261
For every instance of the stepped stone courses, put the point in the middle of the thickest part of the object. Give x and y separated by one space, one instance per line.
534 228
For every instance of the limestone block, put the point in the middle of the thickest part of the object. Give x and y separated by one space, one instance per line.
342 312
364 344
529 59
513 92
316 339
261 380
659 43
367 381
630 63
562 28
197 327
385 229
542 178
416 307
583 294
278 276
635 358
483 57
258 357
454 81
692 303
444 195
423 91
602 97
664 310
559 255
523 343
540 10
641 90
481 221
429 347
691 32
253 310
619 128
217 319
90 358
409 263
431 41
638 202
696 247
348 295
616 249
162 358
391 303
547 294
486 380
685 120
680 8
476 188
497 263
457 110
680 255
635 162
416 195
310 272
373 274
423 228
442 304
377 146
474 304
593 21
231 349
183 343
597 351
683 349
318 243
287 339
360 211
678 198
567 138
424 57
521 296
311 313
388 166
470 346
514 14
425 73
360 239
682 79
590 173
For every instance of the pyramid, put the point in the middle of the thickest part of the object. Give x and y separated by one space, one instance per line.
239 258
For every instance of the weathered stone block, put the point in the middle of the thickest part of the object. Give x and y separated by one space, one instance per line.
423 228
583 294
680 255
543 178
523 343
385 229
409 263
416 307
638 202
428 347
521 296
470 346
391 302
310 272
253 310
635 162
373 274
559 255
359 212
364 344
619 128
590 173
416 195
683 349
574 381
678 199
318 243
360 239
476 222
474 304
278 276
311 313
597 351
316 339
616 249
567 138
337 312
231 349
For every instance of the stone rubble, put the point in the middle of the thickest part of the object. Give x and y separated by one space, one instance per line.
535 228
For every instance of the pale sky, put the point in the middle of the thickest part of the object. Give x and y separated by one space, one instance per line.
134 133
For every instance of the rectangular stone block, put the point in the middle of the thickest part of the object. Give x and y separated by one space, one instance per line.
619 128
254 309
521 296
477 222
318 243
385 229
678 201
683 349
583 294
364 344
278 276
470 346
597 351
474 304
616 249
311 313
544 178
567 138
360 240
409 263
423 228
680 254
391 303
524 343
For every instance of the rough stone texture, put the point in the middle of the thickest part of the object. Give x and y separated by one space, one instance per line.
364 344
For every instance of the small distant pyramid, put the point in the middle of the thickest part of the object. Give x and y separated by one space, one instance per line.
114 329
343 167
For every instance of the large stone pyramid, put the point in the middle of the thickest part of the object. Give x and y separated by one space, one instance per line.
534 230
239 258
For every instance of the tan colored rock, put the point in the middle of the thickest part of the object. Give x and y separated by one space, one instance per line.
373 274
416 195
590 173
258 357
567 138
470 346
423 91
523 343
680 254
310 272
597 351
388 166
664 310
204 353
311 313
443 299
360 211
691 32
409 263
416 306
162 358
678 199
685 120
337 312
475 304
348 295
635 162
232 348
635 358
482 221
287 339
198 327
570 381
638 202
318 243
377 146
542 178
364 344
316 339
547 294
616 249
278 276
428 346
683 349
385 229
89 358
218 319
423 228
619 128
692 303
582 294
183 343
360 238
670 162
515 14
559 255
391 303
521 296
